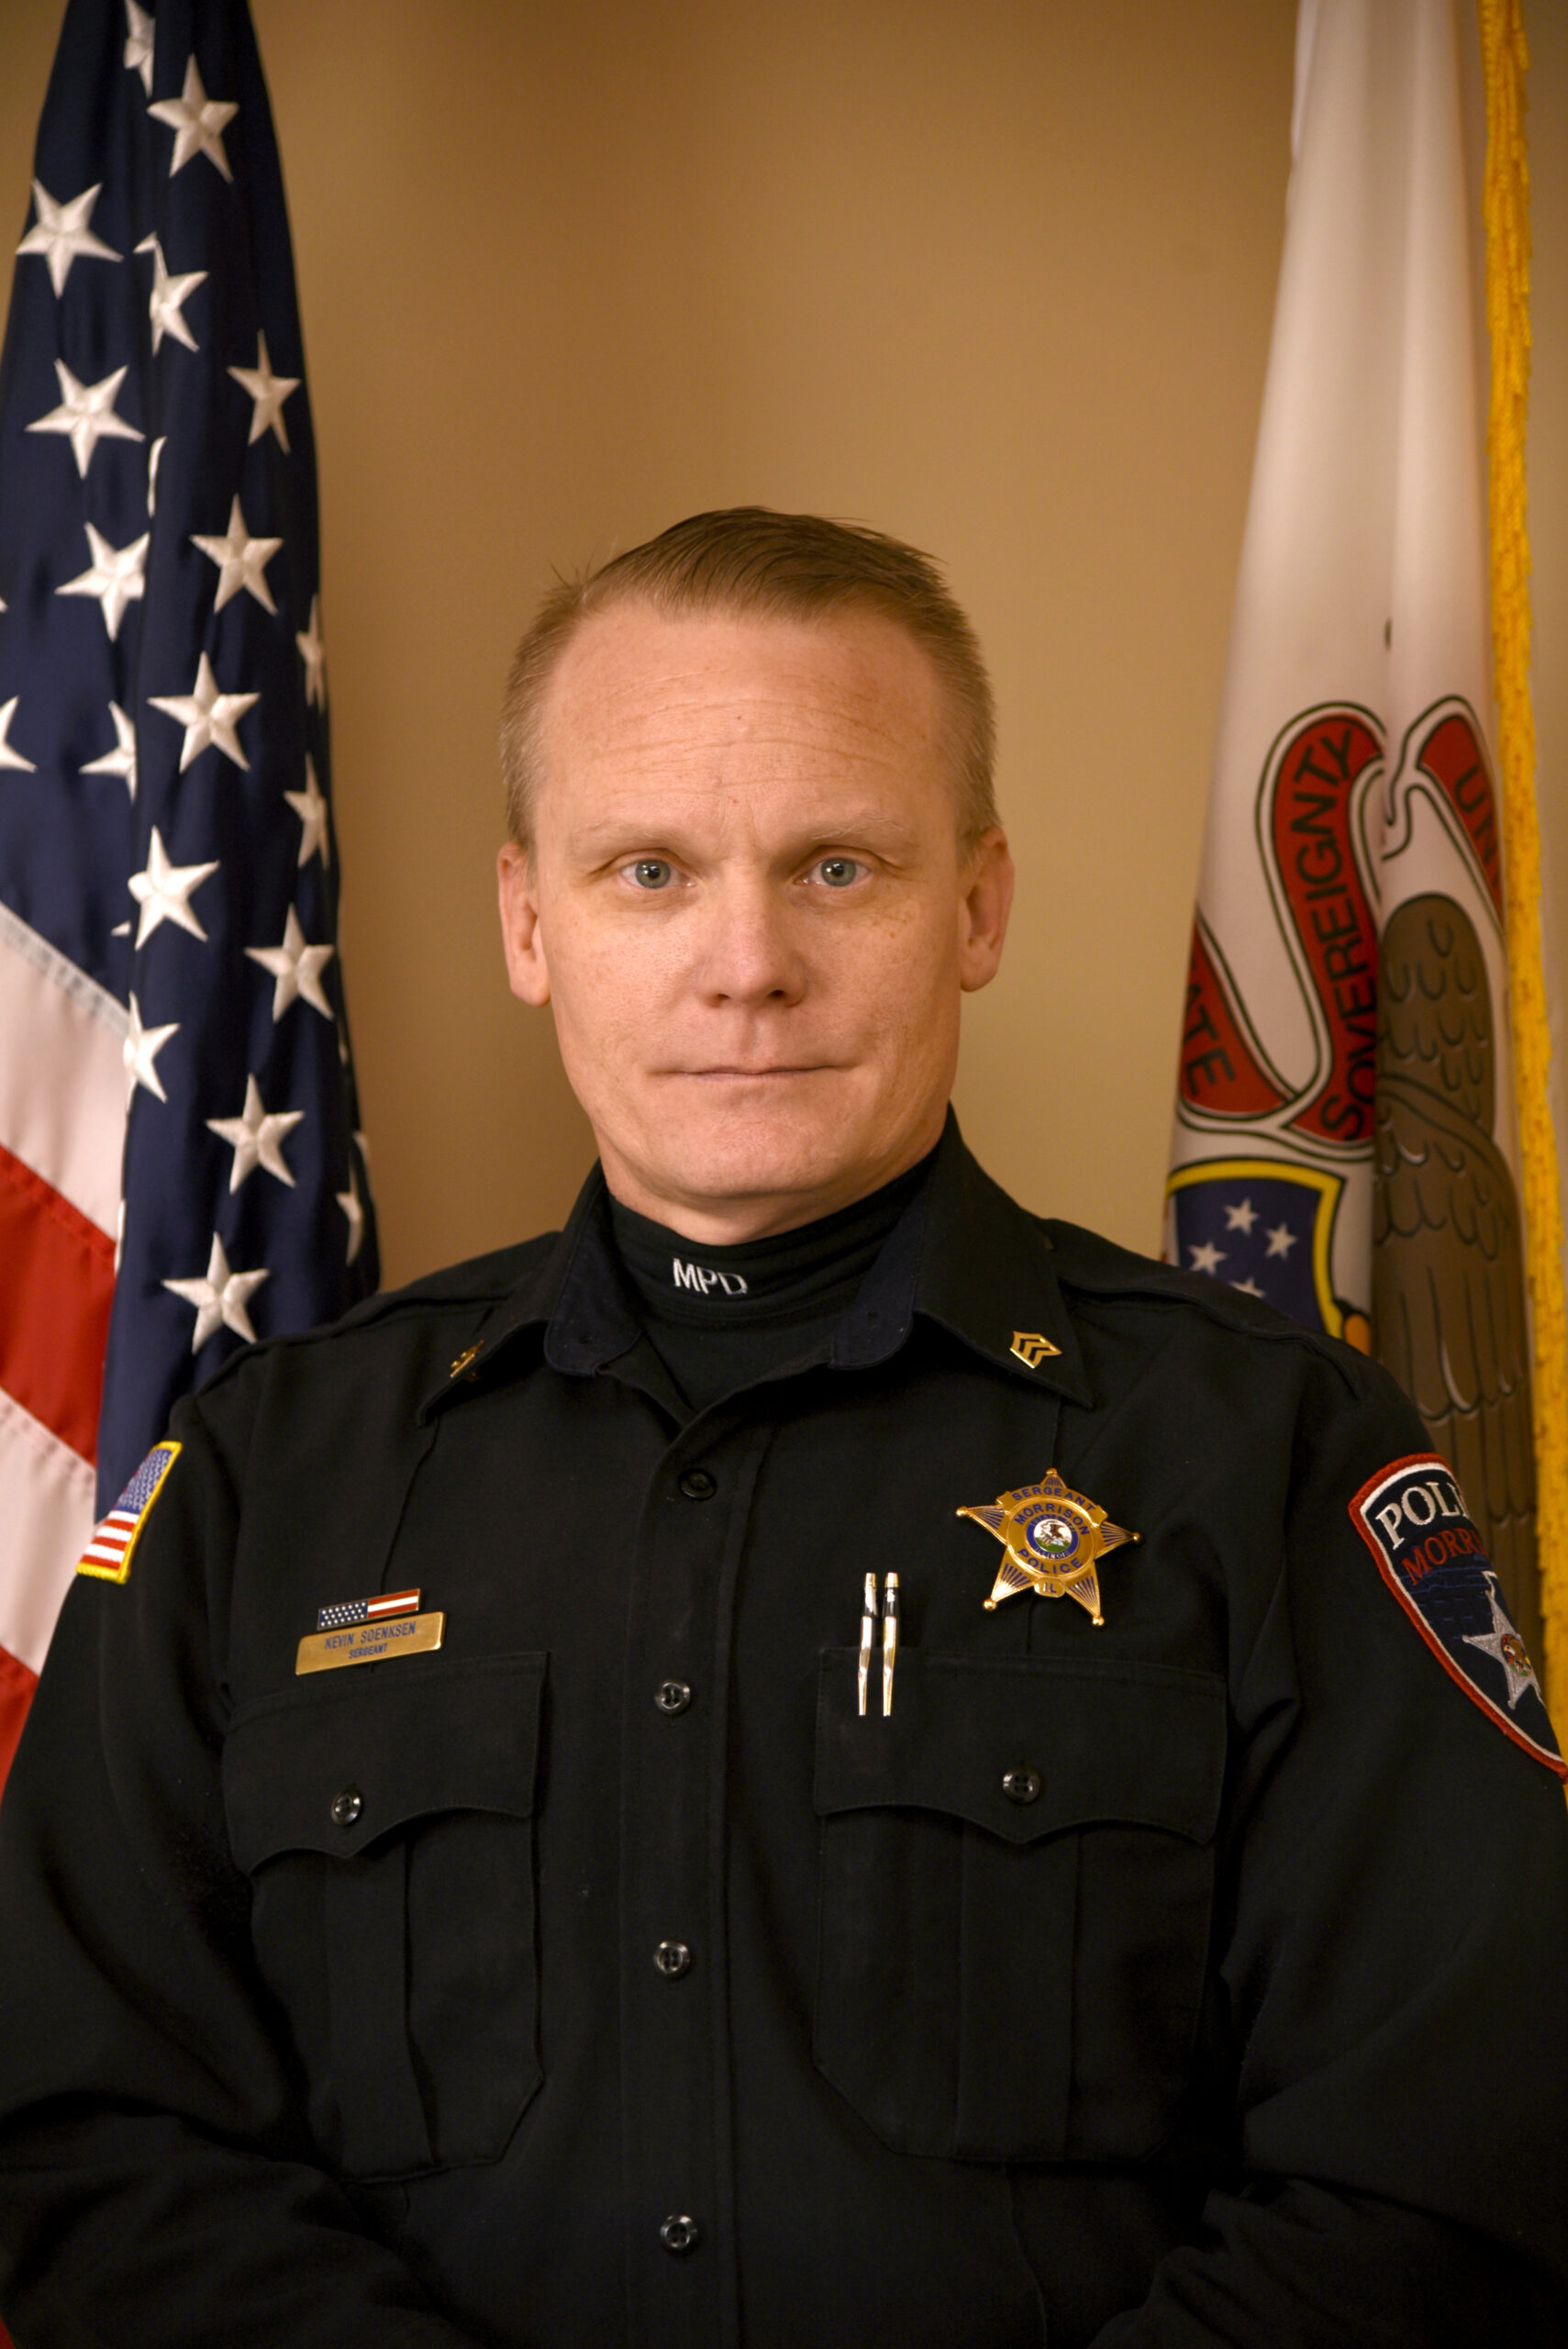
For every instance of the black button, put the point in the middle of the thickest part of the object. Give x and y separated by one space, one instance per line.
680 2234
347 1806
672 1695
1021 1786
699 1485
673 1959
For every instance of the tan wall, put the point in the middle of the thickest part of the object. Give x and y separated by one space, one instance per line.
995 277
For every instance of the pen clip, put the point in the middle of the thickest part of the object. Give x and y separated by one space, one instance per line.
868 1640
889 1642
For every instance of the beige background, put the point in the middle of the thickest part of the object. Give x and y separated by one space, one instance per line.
996 276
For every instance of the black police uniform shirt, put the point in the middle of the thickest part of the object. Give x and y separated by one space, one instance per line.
606 1976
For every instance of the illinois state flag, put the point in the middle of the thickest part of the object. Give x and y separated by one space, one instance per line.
179 1165
1344 1136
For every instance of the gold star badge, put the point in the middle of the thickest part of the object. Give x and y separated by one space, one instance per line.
1053 1538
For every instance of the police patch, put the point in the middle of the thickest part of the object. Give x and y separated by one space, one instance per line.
1412 1517
108 1555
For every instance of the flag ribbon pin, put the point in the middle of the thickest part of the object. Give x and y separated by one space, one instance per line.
343 1612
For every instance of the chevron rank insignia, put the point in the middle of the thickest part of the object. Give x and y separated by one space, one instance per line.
1432 1556
109 1554
1053 1538
1031 1348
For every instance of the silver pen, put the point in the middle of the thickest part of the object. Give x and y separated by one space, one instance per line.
889 1642
868 1633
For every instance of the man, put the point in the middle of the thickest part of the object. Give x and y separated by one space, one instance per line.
933 1816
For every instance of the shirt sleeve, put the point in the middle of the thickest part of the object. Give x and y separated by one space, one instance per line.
1392 1993
157 2185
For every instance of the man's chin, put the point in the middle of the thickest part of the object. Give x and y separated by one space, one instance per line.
805 1163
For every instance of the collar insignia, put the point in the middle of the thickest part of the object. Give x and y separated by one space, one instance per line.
1052 1537
1031 1347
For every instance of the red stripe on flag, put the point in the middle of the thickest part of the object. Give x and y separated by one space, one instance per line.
16 1685
54 1306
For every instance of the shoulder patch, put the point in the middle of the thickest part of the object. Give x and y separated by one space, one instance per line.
1413 1519
108 1555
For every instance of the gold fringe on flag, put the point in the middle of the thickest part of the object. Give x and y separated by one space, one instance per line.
1506 208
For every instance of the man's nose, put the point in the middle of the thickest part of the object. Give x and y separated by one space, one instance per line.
750 954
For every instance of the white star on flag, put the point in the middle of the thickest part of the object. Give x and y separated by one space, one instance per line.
139 31
1241 1218
241 561
196 121
163 891
256 1136
208 717
220 1297
121 760
86 414
115 576
353 1207
62 233
140 1051
310 806
1248 1287
155 458
268 392
165 303
9 758
313 653
1206 1257
1281 1239
296 968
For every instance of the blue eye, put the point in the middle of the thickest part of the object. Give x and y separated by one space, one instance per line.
838 872
652 873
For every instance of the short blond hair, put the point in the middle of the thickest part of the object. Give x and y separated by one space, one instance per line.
747 559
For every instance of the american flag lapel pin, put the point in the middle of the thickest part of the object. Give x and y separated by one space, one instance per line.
368 1630
345 1611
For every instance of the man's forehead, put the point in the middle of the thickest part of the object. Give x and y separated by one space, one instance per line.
639 678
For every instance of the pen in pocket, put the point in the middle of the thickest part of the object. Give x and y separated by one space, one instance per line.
868 1634
889 1642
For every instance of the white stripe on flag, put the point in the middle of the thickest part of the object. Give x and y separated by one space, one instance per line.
53 1018
112 1540
49 1515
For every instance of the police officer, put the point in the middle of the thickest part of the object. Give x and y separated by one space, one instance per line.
812 1758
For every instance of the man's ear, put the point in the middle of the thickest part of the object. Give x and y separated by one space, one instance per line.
521 940
983 912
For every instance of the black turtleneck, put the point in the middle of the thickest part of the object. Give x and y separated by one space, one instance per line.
723 1317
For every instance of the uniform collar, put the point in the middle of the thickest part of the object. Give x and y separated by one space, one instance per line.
967 1257
963 1255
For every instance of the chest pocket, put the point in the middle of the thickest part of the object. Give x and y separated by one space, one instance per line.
1017 1883
385 1820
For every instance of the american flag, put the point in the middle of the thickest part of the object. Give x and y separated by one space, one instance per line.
109 1554
346 1611
180 1163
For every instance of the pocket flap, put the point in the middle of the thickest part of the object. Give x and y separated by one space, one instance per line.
329 1768
1079 1742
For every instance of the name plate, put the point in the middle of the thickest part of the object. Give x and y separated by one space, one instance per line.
370 1643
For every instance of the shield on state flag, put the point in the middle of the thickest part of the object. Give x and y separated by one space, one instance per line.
1267 1227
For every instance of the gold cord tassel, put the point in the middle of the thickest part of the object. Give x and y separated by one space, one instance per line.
1505 209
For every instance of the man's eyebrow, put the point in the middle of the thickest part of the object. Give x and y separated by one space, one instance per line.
607 836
